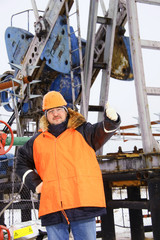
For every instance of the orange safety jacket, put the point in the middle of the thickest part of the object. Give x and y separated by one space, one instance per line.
69 170
66 164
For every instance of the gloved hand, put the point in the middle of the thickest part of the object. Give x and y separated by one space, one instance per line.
111 113
39 188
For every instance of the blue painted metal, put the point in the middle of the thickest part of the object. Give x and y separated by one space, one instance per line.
56 51
75 49
6 162
17 42
25 107
56 54
6 97
127 45
62 84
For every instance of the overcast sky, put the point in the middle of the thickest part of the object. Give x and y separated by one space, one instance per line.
121 93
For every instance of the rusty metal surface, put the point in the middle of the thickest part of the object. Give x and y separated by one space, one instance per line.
119 165
126 162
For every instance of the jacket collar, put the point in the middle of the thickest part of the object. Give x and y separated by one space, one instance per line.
75 120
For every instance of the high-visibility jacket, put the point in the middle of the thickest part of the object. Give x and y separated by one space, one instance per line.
69 170
67 165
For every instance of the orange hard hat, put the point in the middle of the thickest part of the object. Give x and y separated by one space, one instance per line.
53 99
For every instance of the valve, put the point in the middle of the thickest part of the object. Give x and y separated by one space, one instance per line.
1 232
3 137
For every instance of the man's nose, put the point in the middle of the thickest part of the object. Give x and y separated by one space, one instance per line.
55 113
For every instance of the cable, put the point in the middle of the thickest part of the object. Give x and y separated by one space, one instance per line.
14 198
33 205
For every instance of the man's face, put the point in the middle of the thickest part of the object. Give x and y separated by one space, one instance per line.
56 115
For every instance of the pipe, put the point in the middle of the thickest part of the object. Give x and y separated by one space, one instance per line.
6 85
18 141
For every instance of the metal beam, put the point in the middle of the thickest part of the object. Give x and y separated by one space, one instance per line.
149 143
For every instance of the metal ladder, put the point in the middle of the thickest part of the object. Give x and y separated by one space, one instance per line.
151 148
108 52
109 24
79 49
148 141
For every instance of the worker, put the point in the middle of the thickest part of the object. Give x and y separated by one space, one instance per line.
60 164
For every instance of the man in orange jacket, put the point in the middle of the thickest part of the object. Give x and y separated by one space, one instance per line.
60 164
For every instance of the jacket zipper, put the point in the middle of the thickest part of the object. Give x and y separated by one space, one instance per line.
63 211
58 173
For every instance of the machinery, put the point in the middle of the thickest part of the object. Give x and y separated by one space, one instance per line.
57 66
57 58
